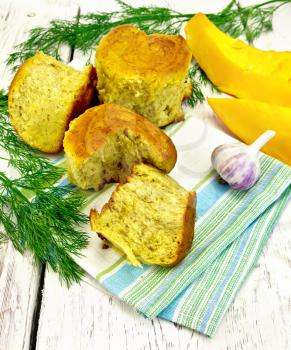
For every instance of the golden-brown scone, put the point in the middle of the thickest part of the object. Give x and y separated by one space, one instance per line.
145 73
105 142
149 219
44 96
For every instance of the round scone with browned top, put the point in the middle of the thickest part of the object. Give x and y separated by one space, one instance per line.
145 73
105 142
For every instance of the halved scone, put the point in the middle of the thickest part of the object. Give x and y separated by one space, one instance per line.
150 218
105 142
44 96
145 73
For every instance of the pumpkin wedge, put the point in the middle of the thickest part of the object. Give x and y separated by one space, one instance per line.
237 68
248 119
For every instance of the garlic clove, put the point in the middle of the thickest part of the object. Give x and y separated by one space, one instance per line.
238 164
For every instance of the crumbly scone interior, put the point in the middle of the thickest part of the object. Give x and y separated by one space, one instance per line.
144 73
161 106
47 93
159 202
113 161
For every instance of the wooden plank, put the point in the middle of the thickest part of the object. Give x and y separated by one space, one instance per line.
18 17
87 317
3 250
19 282
19 276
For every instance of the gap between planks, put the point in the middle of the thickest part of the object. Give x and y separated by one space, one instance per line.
21 280
38 304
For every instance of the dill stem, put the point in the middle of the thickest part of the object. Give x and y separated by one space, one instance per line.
270 2
55 209
138 19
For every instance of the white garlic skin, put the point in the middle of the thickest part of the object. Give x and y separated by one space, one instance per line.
236 165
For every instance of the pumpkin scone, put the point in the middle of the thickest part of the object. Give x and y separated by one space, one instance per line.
105 142
145 73
149 219
44 96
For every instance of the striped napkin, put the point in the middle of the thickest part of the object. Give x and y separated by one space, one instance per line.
232 228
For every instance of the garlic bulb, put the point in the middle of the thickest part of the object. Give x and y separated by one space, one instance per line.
238 164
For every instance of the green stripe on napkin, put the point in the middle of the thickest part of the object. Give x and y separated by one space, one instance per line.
225 222
206 300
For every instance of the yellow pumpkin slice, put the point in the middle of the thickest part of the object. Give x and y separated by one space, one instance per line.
248 119
237 68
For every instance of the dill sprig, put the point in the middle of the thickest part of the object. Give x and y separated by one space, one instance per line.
248 22
199 79
35 169
85 31
46 224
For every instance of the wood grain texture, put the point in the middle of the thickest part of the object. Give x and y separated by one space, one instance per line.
17 18
87 317
3 250
19 282
19 276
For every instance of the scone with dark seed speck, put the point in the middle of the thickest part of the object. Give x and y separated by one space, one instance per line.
149 219
104 143
44 96
145 73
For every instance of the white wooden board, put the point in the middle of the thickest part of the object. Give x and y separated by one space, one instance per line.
85 316
19 276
